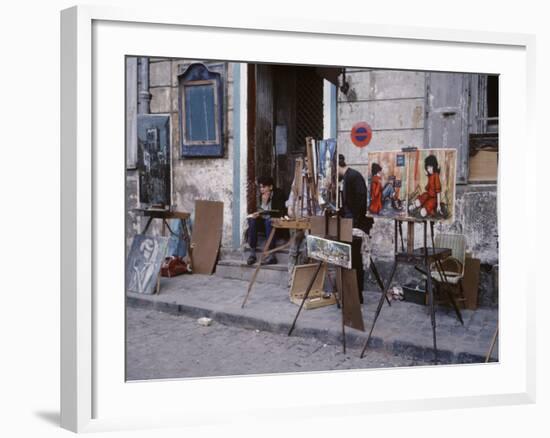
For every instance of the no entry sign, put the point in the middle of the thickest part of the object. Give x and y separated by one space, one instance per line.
361 134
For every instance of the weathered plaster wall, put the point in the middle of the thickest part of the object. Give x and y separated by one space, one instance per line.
194 178
393 103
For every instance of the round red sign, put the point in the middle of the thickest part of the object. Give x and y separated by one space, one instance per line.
361 134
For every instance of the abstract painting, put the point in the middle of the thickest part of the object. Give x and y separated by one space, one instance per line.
144 261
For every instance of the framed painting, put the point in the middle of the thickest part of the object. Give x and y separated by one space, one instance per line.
95 394
419 184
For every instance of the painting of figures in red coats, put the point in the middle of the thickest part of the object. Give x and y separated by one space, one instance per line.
432 182
387 184
418 184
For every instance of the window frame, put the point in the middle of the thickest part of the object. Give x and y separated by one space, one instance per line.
197 74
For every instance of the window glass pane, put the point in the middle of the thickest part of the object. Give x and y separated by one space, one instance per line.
200 117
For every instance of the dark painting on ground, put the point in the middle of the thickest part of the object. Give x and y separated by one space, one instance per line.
144 261
329 251
154 159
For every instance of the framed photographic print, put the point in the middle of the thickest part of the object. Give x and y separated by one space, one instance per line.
152 126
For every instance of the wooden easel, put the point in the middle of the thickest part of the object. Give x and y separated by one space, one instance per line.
304 187
421 258
294 224
339 282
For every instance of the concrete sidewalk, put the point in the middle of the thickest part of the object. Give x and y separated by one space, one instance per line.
403 329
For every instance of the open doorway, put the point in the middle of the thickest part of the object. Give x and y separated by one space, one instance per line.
285 105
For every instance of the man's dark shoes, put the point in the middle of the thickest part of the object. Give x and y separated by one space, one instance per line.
251 259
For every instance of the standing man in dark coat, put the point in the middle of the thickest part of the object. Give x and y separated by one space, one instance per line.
354 206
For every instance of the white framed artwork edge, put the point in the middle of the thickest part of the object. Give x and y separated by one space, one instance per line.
83 370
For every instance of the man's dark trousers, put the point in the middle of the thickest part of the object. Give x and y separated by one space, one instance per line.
253 225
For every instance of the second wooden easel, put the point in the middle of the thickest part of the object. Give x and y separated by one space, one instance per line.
422 259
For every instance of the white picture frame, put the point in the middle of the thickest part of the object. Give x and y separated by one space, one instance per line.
94 396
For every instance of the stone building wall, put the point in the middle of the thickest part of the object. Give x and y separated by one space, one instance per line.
393 103
192 178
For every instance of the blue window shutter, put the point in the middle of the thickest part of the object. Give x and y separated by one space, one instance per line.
201 109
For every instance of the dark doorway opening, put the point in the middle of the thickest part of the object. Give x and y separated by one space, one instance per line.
285 105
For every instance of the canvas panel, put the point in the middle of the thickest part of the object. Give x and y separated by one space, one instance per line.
414 185
329 251
422 201
207 235
346 283
144 261
387 186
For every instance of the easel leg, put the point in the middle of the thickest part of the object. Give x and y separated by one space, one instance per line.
441 271
430 287
335 292
147 225
340 285
378 280
262 255
306 294
380 304
432 312
493 342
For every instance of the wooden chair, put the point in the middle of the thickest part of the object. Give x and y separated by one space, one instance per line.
452 272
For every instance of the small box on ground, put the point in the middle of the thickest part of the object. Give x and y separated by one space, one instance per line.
413 293
317 296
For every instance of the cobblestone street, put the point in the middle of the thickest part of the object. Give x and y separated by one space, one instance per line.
160 345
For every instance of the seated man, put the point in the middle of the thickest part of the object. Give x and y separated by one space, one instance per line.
271 203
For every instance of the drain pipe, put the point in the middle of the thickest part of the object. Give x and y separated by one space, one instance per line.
144 97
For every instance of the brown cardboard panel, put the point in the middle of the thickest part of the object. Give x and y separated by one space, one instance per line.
483 166
346 282
318 227
207 235
470 283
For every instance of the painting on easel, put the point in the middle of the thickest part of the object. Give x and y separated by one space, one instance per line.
329 251
387 180
432 182
315 185
417 184
327 184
